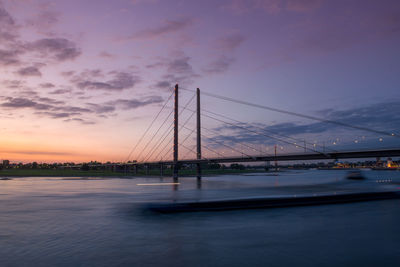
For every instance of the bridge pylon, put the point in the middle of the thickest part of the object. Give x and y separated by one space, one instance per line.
198 134
176 125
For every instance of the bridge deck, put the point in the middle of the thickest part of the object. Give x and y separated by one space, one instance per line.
291 157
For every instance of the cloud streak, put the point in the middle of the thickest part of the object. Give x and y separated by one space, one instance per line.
168 27
119 81
219 66
230 42
136 103
29 71
59 49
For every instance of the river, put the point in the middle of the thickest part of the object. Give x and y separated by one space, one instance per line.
52 221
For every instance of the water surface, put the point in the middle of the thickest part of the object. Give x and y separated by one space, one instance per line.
100 222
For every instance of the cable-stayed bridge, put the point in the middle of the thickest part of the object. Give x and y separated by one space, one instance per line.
161 143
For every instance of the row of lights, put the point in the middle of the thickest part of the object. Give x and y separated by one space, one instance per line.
314 144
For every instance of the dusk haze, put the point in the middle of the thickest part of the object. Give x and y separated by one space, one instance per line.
199 133
81 80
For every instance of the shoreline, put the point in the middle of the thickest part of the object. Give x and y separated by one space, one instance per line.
13 173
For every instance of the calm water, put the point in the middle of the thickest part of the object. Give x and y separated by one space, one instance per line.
100 222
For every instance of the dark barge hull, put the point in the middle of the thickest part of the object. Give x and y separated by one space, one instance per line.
270 202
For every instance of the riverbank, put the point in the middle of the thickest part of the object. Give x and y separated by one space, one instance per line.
103 173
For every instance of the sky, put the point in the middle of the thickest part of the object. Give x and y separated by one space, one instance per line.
82 80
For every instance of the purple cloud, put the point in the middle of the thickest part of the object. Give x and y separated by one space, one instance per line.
50 107
86 122
119 82
50 100
14 84
169 26
29 71
19 103
163 85
60 91
230 42
44 20
67 73
60 49
136 103
219 66
57 115
5 17
98 108
8 27
47 85
9 57
179 65
177 70
107 55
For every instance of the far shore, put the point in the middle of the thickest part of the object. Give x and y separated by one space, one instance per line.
15 173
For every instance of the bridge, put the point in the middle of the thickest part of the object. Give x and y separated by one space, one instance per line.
157 150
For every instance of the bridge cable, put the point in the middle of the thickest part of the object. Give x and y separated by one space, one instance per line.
168 130
185 108
165 146
191 150
190 134
187 153
164 136
154 135
295 114
241 143
269 131
182 141
276 138
221 143
212 150
148 128
272 137
182 126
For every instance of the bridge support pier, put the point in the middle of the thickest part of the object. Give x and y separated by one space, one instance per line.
161 169
135 169
146 169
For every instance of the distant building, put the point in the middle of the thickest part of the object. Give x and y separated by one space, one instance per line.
6 163
389 163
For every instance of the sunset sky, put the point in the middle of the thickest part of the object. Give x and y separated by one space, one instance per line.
81 80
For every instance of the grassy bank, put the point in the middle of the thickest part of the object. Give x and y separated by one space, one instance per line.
54 173
102 173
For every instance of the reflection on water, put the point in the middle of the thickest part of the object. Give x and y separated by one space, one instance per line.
98 222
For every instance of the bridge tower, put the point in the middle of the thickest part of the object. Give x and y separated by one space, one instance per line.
198 134
176 125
